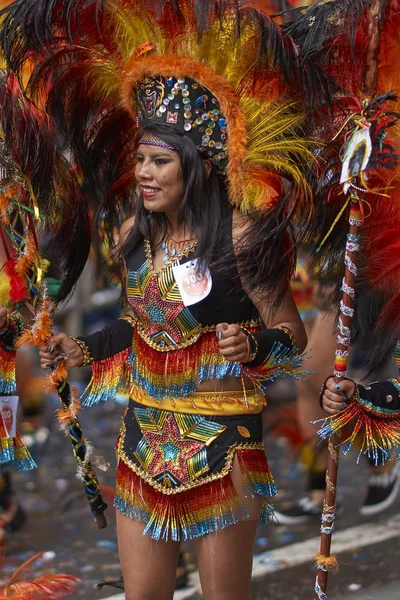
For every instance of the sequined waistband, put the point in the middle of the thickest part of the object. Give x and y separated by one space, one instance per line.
227 403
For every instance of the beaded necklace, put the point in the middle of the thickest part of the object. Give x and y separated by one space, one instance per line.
174 251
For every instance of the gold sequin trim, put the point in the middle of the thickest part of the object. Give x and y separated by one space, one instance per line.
190 341
289 333
226 403
243 431
87 358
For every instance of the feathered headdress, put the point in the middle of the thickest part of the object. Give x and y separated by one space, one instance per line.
89 55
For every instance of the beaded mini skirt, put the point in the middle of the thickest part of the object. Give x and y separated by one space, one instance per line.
174 470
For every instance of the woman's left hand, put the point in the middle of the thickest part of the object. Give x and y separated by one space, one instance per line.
335 394
233 343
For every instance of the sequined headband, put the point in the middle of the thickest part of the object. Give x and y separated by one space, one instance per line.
156 142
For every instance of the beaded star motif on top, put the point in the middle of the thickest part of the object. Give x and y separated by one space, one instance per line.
158 306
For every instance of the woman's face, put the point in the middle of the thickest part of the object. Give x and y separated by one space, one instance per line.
159 176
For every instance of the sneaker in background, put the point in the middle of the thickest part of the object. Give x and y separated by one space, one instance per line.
301 511
382 491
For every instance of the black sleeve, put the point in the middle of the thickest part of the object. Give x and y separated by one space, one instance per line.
111 340
266 340
382 396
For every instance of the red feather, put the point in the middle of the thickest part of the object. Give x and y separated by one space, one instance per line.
51 587
18 287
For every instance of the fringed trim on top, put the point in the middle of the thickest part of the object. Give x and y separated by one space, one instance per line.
281 362
107 377
158 374
176 374
13 452
378 429
197 511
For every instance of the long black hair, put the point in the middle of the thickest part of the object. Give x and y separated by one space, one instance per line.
204 206
264 255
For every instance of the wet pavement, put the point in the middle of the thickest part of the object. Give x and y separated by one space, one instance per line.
60 524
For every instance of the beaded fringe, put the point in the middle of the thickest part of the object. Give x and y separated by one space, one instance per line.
281 362
7 371
159 374
378 436
14 454
107 378
175 374
196 512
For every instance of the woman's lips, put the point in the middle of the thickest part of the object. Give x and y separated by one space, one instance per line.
148 191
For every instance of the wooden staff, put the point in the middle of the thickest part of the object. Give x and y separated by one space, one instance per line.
87 474
325 562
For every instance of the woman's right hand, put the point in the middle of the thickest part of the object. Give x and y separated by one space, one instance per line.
60 347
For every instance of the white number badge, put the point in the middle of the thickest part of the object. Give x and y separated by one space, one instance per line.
8 414
193 285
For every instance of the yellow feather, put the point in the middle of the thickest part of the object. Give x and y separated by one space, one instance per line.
4 289
276 145
133 28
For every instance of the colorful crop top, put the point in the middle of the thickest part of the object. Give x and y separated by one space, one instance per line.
168 344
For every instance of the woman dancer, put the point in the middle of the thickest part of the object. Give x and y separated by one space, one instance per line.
191 458
207 251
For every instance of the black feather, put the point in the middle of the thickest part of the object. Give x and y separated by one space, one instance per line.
29 138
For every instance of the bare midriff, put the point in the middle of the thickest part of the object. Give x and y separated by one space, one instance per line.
228 384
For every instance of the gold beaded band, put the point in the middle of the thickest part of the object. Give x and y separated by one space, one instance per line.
253 351
289 333
87 358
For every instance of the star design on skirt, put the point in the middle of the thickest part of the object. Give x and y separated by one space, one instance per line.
171 451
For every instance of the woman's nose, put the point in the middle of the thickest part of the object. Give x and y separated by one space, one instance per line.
143 170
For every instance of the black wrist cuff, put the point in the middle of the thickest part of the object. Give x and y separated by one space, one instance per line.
266 340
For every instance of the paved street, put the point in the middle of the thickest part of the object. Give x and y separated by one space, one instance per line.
60 525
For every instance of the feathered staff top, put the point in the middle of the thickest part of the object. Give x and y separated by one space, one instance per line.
361 134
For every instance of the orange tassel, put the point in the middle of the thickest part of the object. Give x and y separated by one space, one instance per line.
42 329
68 414
328 563
28 258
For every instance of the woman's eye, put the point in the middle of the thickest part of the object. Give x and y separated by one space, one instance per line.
139 158
161 161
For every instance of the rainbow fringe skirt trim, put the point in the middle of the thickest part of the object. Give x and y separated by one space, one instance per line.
174 471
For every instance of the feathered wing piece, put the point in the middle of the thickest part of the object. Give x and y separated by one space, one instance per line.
55 586
42 198
39 197
48 201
